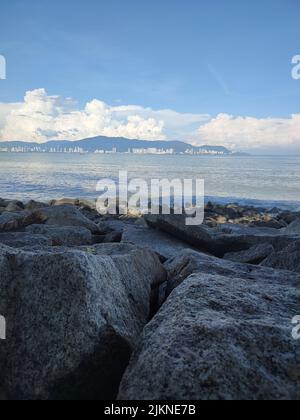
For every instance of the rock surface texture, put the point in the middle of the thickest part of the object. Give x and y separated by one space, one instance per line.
160 242
220 337
222 239
253 255
137 308
73 318
287 259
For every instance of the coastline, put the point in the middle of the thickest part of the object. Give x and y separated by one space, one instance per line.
267 205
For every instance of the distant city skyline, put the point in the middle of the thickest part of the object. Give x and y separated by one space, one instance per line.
216 73
107 145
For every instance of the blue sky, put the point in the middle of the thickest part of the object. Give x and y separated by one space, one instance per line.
197 57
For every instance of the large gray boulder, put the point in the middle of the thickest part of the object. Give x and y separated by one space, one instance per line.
254 255
289 217
287 259
74 202
24 239
62 235
64 215
73 318
33 205
12 221
175 225
293 228
222 239
188 262
12 205
113 224
220 337
162 243
6 276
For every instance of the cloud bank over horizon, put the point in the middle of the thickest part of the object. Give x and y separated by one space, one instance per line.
41 118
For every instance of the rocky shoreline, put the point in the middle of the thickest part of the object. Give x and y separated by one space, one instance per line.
147 308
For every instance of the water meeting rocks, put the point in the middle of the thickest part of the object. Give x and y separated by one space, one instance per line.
73 318
220 335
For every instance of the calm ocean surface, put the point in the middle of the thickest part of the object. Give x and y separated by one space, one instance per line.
265 179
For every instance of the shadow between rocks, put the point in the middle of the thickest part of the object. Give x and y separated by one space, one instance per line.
98 376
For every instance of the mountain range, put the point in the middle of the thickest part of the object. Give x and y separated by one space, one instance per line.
121 145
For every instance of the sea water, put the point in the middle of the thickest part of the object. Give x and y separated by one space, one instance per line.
257 180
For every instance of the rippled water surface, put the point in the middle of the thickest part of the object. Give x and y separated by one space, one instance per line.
47 176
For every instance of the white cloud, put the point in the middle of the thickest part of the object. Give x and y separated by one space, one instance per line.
5 110
41 118
250 133
177 124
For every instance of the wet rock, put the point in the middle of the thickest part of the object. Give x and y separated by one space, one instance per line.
254 255
64 235
220 337
73 318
